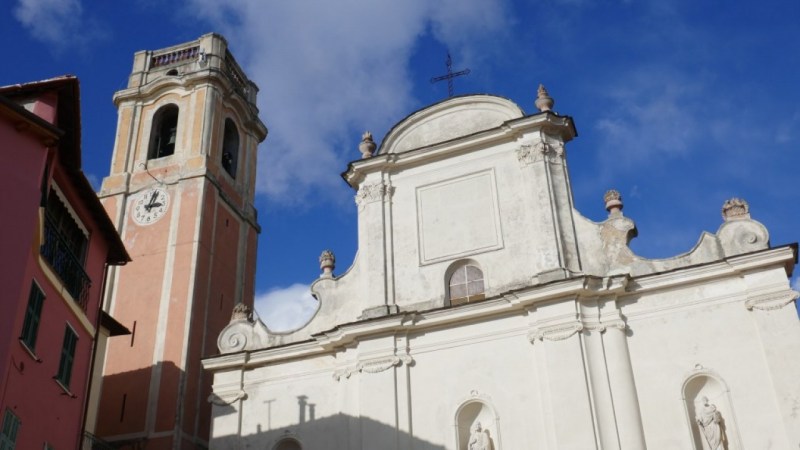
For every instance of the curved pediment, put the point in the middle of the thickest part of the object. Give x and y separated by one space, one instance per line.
452 118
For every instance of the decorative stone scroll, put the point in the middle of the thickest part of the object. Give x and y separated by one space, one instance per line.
557 332
767 302
531 152
375 365
563 331
369 193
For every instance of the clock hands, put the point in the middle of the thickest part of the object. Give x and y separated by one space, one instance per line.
152 203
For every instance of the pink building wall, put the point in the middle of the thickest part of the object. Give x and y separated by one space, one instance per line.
48 412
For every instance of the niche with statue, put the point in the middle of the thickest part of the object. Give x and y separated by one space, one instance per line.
710 413
477 426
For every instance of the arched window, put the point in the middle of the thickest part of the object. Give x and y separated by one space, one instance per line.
164 132
466 284
230 148
288 444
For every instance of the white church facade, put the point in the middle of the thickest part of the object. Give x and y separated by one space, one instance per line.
483 311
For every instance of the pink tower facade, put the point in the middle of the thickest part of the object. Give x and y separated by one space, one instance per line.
180 191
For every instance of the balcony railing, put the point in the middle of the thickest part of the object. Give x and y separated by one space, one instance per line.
57 251
166 59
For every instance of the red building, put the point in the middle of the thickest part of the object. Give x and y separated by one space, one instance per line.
56 242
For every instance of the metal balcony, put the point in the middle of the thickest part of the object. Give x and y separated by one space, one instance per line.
57 251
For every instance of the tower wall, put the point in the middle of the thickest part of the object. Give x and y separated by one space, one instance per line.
186 215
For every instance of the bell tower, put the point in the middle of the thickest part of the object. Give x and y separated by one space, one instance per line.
180 191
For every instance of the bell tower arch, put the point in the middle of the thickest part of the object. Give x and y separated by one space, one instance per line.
180 190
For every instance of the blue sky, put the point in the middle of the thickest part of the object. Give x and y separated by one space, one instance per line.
679 105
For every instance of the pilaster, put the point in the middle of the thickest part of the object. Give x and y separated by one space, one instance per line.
542 158
374 243
558 351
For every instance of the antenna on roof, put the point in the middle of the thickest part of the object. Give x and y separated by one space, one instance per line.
450 75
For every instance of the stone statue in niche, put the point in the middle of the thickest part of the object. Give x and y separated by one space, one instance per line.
711 425
479 438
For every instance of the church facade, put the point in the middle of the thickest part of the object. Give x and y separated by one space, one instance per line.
483 311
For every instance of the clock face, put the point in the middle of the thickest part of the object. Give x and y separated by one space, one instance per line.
150 206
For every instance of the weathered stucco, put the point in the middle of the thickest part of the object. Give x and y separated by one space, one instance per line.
579 342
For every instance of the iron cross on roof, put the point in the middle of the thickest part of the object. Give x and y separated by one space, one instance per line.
450 75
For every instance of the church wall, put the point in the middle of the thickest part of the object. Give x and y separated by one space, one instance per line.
448 192
477 363
703 329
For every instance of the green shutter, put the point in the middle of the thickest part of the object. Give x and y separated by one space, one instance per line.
32 316
67 357
8 438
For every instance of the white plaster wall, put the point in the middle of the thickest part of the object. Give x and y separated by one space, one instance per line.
705 327
424 283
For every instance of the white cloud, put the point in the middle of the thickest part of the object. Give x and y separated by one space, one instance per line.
284 309
330 70
52 21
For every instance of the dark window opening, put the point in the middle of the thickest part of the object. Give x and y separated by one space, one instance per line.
230 148
466 285
67 357
30 328
288 444
164 132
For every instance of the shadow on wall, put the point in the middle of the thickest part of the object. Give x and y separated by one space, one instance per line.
125 399
338 432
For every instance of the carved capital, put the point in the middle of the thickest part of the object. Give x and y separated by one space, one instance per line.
369 193
618 324
767 302
531 152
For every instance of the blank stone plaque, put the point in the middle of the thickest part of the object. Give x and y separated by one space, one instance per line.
458 217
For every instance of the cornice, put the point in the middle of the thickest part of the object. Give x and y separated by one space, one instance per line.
212 77
733 266
578 288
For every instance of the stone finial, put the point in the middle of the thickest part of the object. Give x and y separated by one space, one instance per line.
242 312
367 145
543 100
327 262
613 201
734 209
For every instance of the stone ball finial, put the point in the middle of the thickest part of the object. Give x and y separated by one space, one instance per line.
327 262
543 100
734 209
613 201
242 312
367 145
